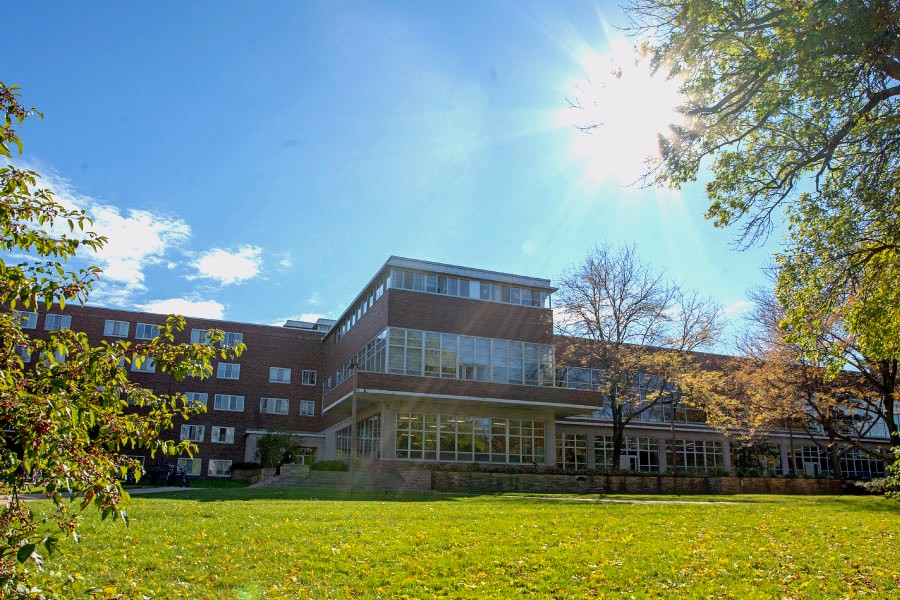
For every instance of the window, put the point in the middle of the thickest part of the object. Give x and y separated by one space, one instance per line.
142 364
146 331
27 320
273 406
279 375
198 336
196 398
309 377
56 322
219 468
115 328
228 371
24 353
307 408
232 339
221 435
190 465
193 433
228 402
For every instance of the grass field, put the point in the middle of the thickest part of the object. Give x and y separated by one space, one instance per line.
247 543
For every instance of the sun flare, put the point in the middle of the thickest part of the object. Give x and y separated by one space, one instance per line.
619 109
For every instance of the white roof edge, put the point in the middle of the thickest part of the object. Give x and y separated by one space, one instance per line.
468 272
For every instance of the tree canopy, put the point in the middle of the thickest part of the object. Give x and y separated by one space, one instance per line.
793 107
639 329
68 417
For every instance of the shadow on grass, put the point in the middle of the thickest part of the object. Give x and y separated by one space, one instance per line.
247 494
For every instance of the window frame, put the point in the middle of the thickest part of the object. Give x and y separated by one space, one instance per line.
309 404
306 379
111 325
143 364
211 472
138 334
214 434
27 319
232 399
193 433
265 401
279 370
58 320
224 369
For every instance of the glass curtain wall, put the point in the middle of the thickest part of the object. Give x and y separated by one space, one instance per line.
455 438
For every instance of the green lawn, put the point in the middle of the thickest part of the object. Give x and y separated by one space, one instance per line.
248 543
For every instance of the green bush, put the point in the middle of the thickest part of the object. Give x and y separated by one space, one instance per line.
245 465
892 481
272 447
328 465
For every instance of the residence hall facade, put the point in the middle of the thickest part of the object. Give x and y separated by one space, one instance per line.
449 364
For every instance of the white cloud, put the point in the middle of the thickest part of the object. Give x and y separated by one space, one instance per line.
228 267
315 299
208 309
737 308
135 239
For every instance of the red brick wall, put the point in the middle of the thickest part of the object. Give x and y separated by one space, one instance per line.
267 346
447 314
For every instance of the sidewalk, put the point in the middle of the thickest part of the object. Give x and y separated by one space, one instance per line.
131 492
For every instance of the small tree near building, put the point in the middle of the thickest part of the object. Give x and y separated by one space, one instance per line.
640 330
65 421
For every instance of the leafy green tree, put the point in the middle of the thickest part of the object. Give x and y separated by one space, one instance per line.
65 421
794 108
272 448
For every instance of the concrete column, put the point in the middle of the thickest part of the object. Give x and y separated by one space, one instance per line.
591 457
663 465
329 452
550 440
726 455
388 434
785 459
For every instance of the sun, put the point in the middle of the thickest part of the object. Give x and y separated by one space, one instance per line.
618 110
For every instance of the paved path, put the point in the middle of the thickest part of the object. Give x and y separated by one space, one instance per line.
131 492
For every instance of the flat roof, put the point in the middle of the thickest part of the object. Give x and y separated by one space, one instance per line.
445 269
468 272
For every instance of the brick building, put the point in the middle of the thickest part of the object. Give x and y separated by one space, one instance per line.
448 364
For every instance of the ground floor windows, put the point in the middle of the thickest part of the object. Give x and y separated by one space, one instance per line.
368 435
452 438
219 468
639 454
816 461
191 466
695 456
857 465
571 451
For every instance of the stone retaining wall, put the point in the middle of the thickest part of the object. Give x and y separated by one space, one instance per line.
481 482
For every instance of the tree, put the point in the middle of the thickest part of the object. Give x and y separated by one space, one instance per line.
793 107
272 448
639 329
777 385
66 421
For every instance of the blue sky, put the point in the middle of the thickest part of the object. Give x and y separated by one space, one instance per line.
260 162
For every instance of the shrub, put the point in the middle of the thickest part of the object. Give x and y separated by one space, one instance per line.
328 465
245 465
